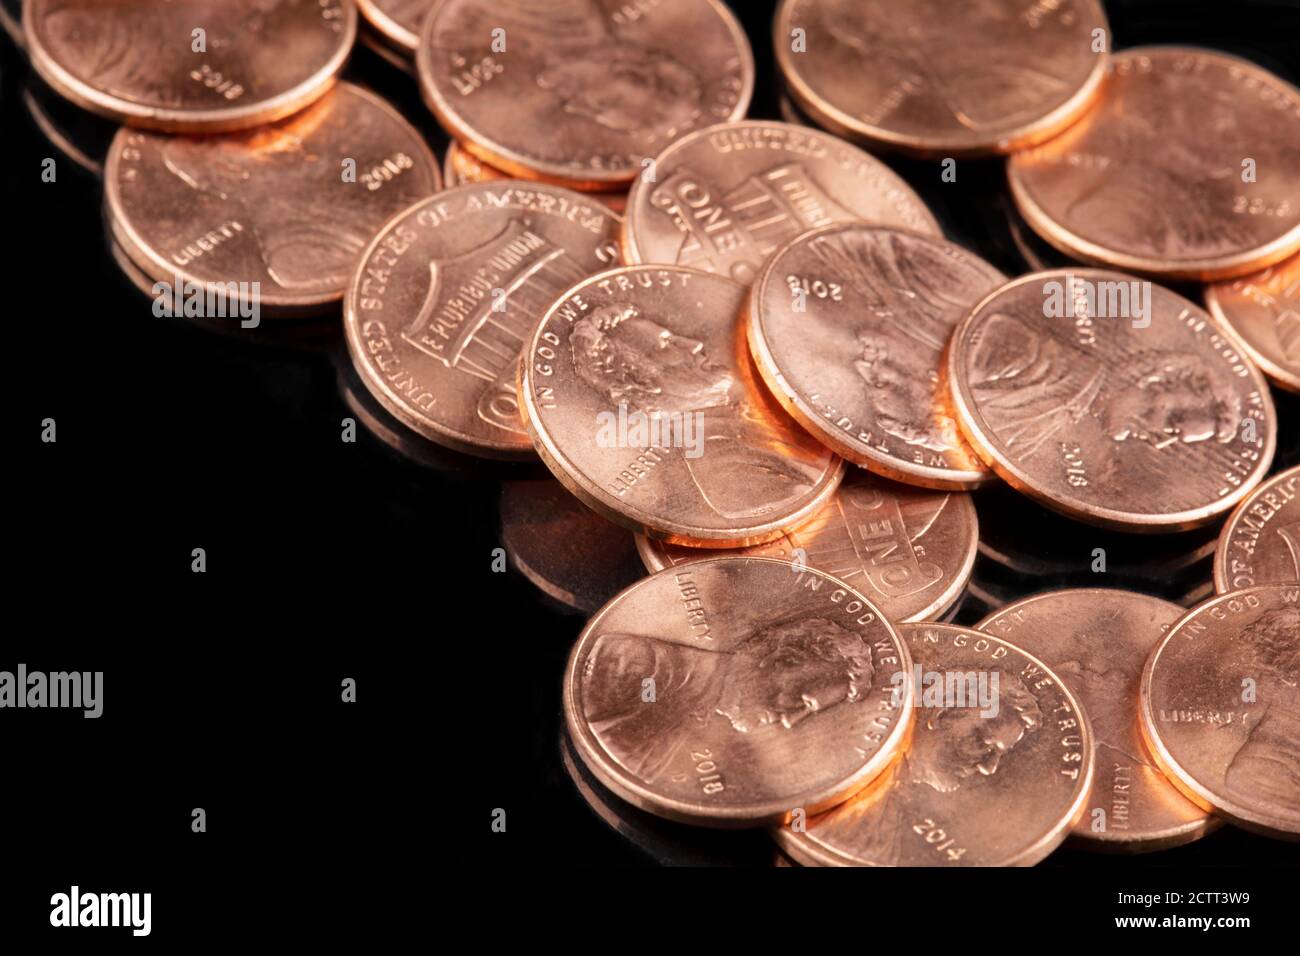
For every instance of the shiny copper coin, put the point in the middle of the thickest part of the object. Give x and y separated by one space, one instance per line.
449 291
736 691
909 550
937 78
1221 708
397 21
998 769
640 396
1262 313
723 199
1113 401
135 61
1260 542
460 166
1189 167
1097 640
581 91
274 205
848 325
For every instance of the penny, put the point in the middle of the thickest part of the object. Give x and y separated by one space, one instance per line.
273 206
449 291
641 398
581 91
998 769
1260 542
146 64
734 692
1221 711
1113 401
936 78
848 327
1188 168
724 198
460 166
1097 641
397 21
909 550
1262 313
567 551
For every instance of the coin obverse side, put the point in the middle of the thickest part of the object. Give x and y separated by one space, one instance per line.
1188 168
1262 312
581 91
995 774
451 289
733 693
144 63
1260 541
934 78
910 550
269 206
724 198
640 396
848 326
1220 703
1149 423
1097 640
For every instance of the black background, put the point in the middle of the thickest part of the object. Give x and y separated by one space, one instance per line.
329 560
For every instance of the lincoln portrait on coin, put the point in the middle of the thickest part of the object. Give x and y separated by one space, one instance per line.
1266 770
631 360
776 676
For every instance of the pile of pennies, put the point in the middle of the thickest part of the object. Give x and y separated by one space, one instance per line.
747 346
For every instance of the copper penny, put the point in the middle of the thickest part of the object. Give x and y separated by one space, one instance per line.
1113 401
848 326
1189 167
723 199
581 91
449 291
1097 640
735 692
998 769
460 166
1262 313
270 205
397 21
1260 542
1221 708
909 550
135 61
937 78
640 396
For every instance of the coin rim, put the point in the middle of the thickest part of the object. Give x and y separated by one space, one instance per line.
389 28
1284 377
1221 583
755 813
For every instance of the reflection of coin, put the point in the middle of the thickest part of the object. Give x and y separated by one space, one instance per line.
640 397
933 77
1260 543
723 199
11 19
450 290
581 91
998 768
1262 312
134 60
461 167
1221 707
1097 641
397 21
1112 401
570 553
1153 179
909 550
848 326
733 692
270 205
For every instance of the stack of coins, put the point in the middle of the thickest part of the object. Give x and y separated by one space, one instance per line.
775 401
